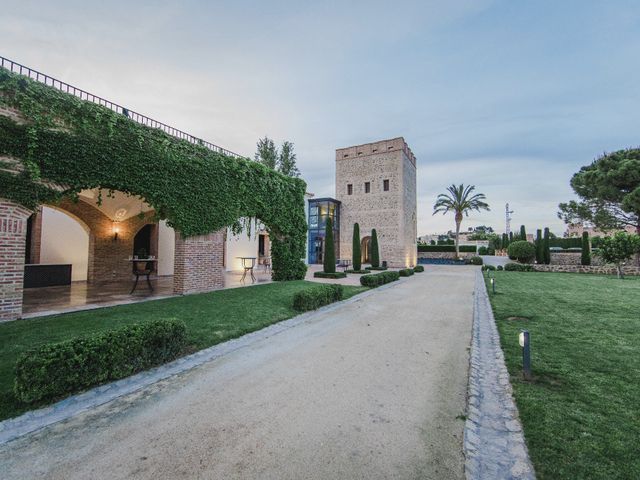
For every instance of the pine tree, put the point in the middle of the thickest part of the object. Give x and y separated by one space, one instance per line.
287 161
266 153
375 254
523 233
329 250
585 259
539 251
545 247
357 255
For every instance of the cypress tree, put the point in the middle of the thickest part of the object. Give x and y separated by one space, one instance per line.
375 254
357 255
505 241
329 250
539 251
523 233
545 247
585 259
510 237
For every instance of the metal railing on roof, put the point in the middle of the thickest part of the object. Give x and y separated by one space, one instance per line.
84 95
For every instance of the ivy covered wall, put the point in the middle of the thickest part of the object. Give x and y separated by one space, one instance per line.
58 145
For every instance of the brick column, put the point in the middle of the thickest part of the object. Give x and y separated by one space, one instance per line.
36 236
13 237
198 263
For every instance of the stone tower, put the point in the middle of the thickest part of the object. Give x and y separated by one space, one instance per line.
376 185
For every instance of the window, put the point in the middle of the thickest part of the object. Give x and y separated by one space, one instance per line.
385 185
367 187
349 189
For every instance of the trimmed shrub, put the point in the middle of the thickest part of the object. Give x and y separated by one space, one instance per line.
483 251
329 262
522 251
474 261
329 275
375 252
56 369
405 272
375 268
356 271
518 267
488 267
539 245
418 269
376 279
446 248
546 253
355 248
523 233
499 268
585 258
316 297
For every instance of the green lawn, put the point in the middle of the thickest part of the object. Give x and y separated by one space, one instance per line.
211 318
581 413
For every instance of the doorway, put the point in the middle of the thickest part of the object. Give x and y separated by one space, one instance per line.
365 248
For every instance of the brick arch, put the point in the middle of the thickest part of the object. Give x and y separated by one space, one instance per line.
107 254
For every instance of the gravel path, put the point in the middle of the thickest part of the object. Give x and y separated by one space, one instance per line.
370 389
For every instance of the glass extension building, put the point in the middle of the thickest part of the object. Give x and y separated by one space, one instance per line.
321 209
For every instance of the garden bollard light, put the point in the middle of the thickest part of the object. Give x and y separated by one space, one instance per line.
493 284
526 354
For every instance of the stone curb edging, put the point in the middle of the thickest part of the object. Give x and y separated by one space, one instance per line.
494 445
32 421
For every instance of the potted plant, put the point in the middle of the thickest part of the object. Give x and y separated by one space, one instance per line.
141 255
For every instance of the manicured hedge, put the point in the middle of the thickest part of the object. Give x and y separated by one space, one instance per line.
405 272
474 260
376 268
488 267
418 269
316 297
446 248
356 271
56 369
329 275
518 267
376 279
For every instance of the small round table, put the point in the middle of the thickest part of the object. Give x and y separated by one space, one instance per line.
248 267
149 267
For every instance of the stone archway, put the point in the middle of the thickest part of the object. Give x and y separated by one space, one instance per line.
365 249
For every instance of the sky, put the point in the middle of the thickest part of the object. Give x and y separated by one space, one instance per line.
511 96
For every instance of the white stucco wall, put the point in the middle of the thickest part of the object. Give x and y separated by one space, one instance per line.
166 248
241 245
64 240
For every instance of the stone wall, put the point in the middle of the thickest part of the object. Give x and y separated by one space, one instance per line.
449 255
392 213
572 258
601 270
13 233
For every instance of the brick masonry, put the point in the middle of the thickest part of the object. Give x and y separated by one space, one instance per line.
198 263
13 232
392 213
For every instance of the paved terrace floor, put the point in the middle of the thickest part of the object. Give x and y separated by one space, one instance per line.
368 389
84 296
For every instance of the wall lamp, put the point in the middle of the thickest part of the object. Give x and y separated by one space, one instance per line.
116 230
524 340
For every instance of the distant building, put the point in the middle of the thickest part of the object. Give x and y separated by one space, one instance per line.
376 188
576 229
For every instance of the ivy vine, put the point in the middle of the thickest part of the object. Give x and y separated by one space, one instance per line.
67 145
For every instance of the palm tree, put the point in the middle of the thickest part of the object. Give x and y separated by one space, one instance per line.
461 200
